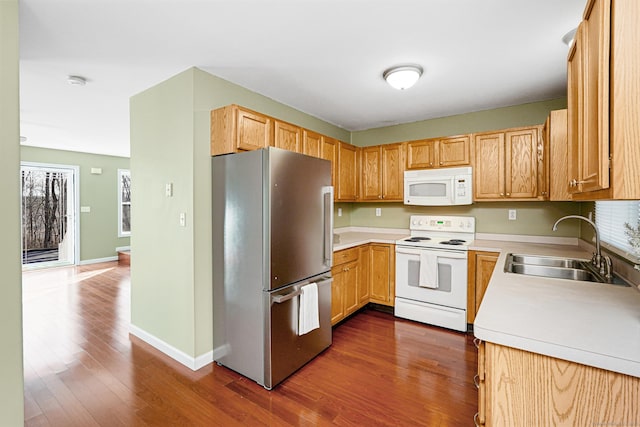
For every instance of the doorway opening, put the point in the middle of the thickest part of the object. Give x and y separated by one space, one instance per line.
49 212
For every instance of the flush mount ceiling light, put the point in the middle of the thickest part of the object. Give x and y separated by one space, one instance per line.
76 80
402 77
568 38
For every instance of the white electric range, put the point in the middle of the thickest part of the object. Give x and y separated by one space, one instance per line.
431 270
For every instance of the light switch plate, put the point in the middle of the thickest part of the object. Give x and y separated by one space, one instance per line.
85 209
168 189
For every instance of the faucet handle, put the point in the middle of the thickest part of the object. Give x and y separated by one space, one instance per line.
605 268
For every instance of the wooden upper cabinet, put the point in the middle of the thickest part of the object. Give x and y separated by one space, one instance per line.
235 128
604 88
488 171
371 173
422 154
556 145
329 151
393 172
506 164
311 143
521 157
439 152
382 172
594 144
287 136
454 151
347 174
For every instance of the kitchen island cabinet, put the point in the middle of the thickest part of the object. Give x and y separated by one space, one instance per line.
517 387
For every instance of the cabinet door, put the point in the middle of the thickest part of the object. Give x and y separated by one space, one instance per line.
557 147
575 94
480 266
382 272
392 172
364 274
287 136
347 172
594 144
371 173
453 151
350 284
253 130
311 143
421 154
488 171
329 151
521 172
337 299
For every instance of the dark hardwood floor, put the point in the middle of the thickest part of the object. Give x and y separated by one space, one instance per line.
82 368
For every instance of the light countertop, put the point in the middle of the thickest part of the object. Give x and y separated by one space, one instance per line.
589 323
356 236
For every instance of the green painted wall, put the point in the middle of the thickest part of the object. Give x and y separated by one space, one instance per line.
480 121
171 296
11 370
98 228
533 218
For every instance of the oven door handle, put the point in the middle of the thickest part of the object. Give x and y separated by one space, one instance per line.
437 252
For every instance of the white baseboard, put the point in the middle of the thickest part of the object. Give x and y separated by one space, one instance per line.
123 248
98 260
193 363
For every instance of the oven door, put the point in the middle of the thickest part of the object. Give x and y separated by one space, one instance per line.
429 192
447 288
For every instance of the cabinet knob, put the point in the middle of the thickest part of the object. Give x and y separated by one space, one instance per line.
430 164
501 194
441 163
508 194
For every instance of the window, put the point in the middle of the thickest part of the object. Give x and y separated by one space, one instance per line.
611 216
124 203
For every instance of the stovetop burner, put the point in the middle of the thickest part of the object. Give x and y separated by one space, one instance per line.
454 242
416 239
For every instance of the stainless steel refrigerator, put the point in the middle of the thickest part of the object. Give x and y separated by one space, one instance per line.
272 237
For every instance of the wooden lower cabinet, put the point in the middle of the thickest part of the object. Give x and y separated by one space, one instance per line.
383 274
520 388
344 290
361 275
480 266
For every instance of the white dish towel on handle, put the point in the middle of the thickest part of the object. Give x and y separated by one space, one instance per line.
308 316
428 270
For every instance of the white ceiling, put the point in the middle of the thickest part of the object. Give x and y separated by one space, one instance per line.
323 57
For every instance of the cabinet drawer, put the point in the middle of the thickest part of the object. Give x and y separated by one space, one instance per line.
346 255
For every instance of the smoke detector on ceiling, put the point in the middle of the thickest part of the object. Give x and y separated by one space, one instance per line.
76 80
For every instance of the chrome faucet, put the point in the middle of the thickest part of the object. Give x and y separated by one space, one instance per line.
601 262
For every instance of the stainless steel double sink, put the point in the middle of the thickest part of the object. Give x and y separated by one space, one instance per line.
555 267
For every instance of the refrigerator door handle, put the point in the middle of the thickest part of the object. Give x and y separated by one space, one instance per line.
328 225
278 299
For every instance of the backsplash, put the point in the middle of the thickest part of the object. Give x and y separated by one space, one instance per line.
533 218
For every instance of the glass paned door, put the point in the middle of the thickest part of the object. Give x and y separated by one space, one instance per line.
48 216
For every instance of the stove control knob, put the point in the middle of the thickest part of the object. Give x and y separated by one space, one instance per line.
421 222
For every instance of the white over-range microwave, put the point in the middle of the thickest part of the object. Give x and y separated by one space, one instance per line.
438 187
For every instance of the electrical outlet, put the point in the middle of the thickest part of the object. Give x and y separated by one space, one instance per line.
183 219
168 189
512 215
378 211
339 211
